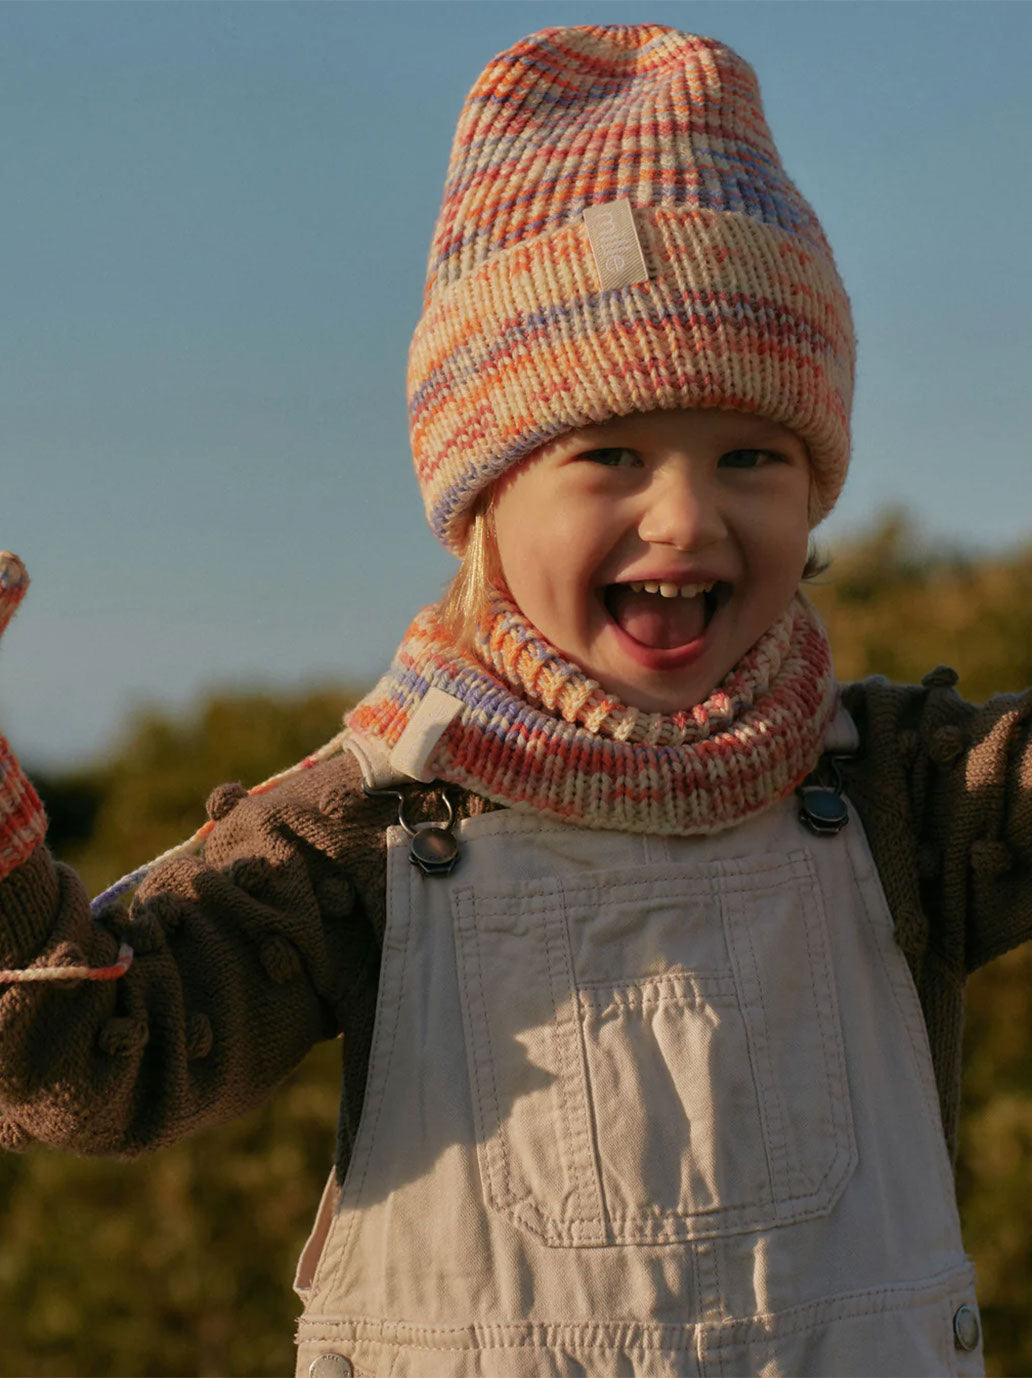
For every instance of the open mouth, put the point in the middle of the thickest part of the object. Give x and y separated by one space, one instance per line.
664 616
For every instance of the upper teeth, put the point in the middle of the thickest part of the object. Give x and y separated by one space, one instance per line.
670 590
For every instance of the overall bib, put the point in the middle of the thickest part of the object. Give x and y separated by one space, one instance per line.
642 1106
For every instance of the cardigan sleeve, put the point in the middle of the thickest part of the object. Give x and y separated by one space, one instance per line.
242 960
946 788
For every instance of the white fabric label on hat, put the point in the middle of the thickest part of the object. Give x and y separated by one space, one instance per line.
423 731
615 244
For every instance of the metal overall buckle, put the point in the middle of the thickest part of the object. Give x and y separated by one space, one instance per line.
433 846
822 807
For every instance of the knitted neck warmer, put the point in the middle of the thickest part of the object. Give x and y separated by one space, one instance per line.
537 733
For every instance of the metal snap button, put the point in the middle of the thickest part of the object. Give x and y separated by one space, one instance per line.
434 850
331 1366
966 1330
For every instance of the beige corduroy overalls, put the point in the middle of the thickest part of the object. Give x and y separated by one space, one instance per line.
643 1106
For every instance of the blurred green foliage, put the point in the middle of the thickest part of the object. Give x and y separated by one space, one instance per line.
181 1263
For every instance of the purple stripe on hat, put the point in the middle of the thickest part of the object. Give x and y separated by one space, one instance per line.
737 159
577 322
735 190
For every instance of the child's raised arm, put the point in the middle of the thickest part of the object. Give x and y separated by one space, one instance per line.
186 1007
958 777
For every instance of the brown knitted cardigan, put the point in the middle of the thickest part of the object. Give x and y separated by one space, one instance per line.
247 957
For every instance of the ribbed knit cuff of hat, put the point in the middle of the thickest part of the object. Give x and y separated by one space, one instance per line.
23 821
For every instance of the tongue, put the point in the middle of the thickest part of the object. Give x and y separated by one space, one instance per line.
662 623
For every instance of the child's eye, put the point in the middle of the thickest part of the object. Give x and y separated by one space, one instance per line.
749 459
619 457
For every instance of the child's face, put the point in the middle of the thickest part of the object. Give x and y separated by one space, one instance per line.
679 498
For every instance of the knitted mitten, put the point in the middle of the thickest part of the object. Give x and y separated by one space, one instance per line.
23 824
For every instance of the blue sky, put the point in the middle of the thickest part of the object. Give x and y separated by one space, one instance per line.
215 231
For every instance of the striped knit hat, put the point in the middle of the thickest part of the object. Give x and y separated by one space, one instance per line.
618 234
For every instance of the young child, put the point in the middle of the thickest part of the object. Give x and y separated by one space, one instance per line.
646 939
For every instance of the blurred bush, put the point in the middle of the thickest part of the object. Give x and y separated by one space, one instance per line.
181 1263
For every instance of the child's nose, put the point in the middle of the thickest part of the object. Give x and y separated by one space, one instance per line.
683 511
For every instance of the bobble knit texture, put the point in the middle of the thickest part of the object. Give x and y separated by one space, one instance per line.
743 308
537 733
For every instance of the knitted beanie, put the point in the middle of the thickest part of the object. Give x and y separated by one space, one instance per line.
618 234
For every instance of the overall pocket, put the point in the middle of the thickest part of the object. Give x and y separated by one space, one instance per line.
655 1053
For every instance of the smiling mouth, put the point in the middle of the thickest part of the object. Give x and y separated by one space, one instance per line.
663 617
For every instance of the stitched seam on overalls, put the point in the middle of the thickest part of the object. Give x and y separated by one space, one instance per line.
567 984
834 1071
588 1119
771 1148
905 1008
828 1022
465 905
380 1084
847 1306
709 1294
821 986
487 1335
721 1291
624 891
